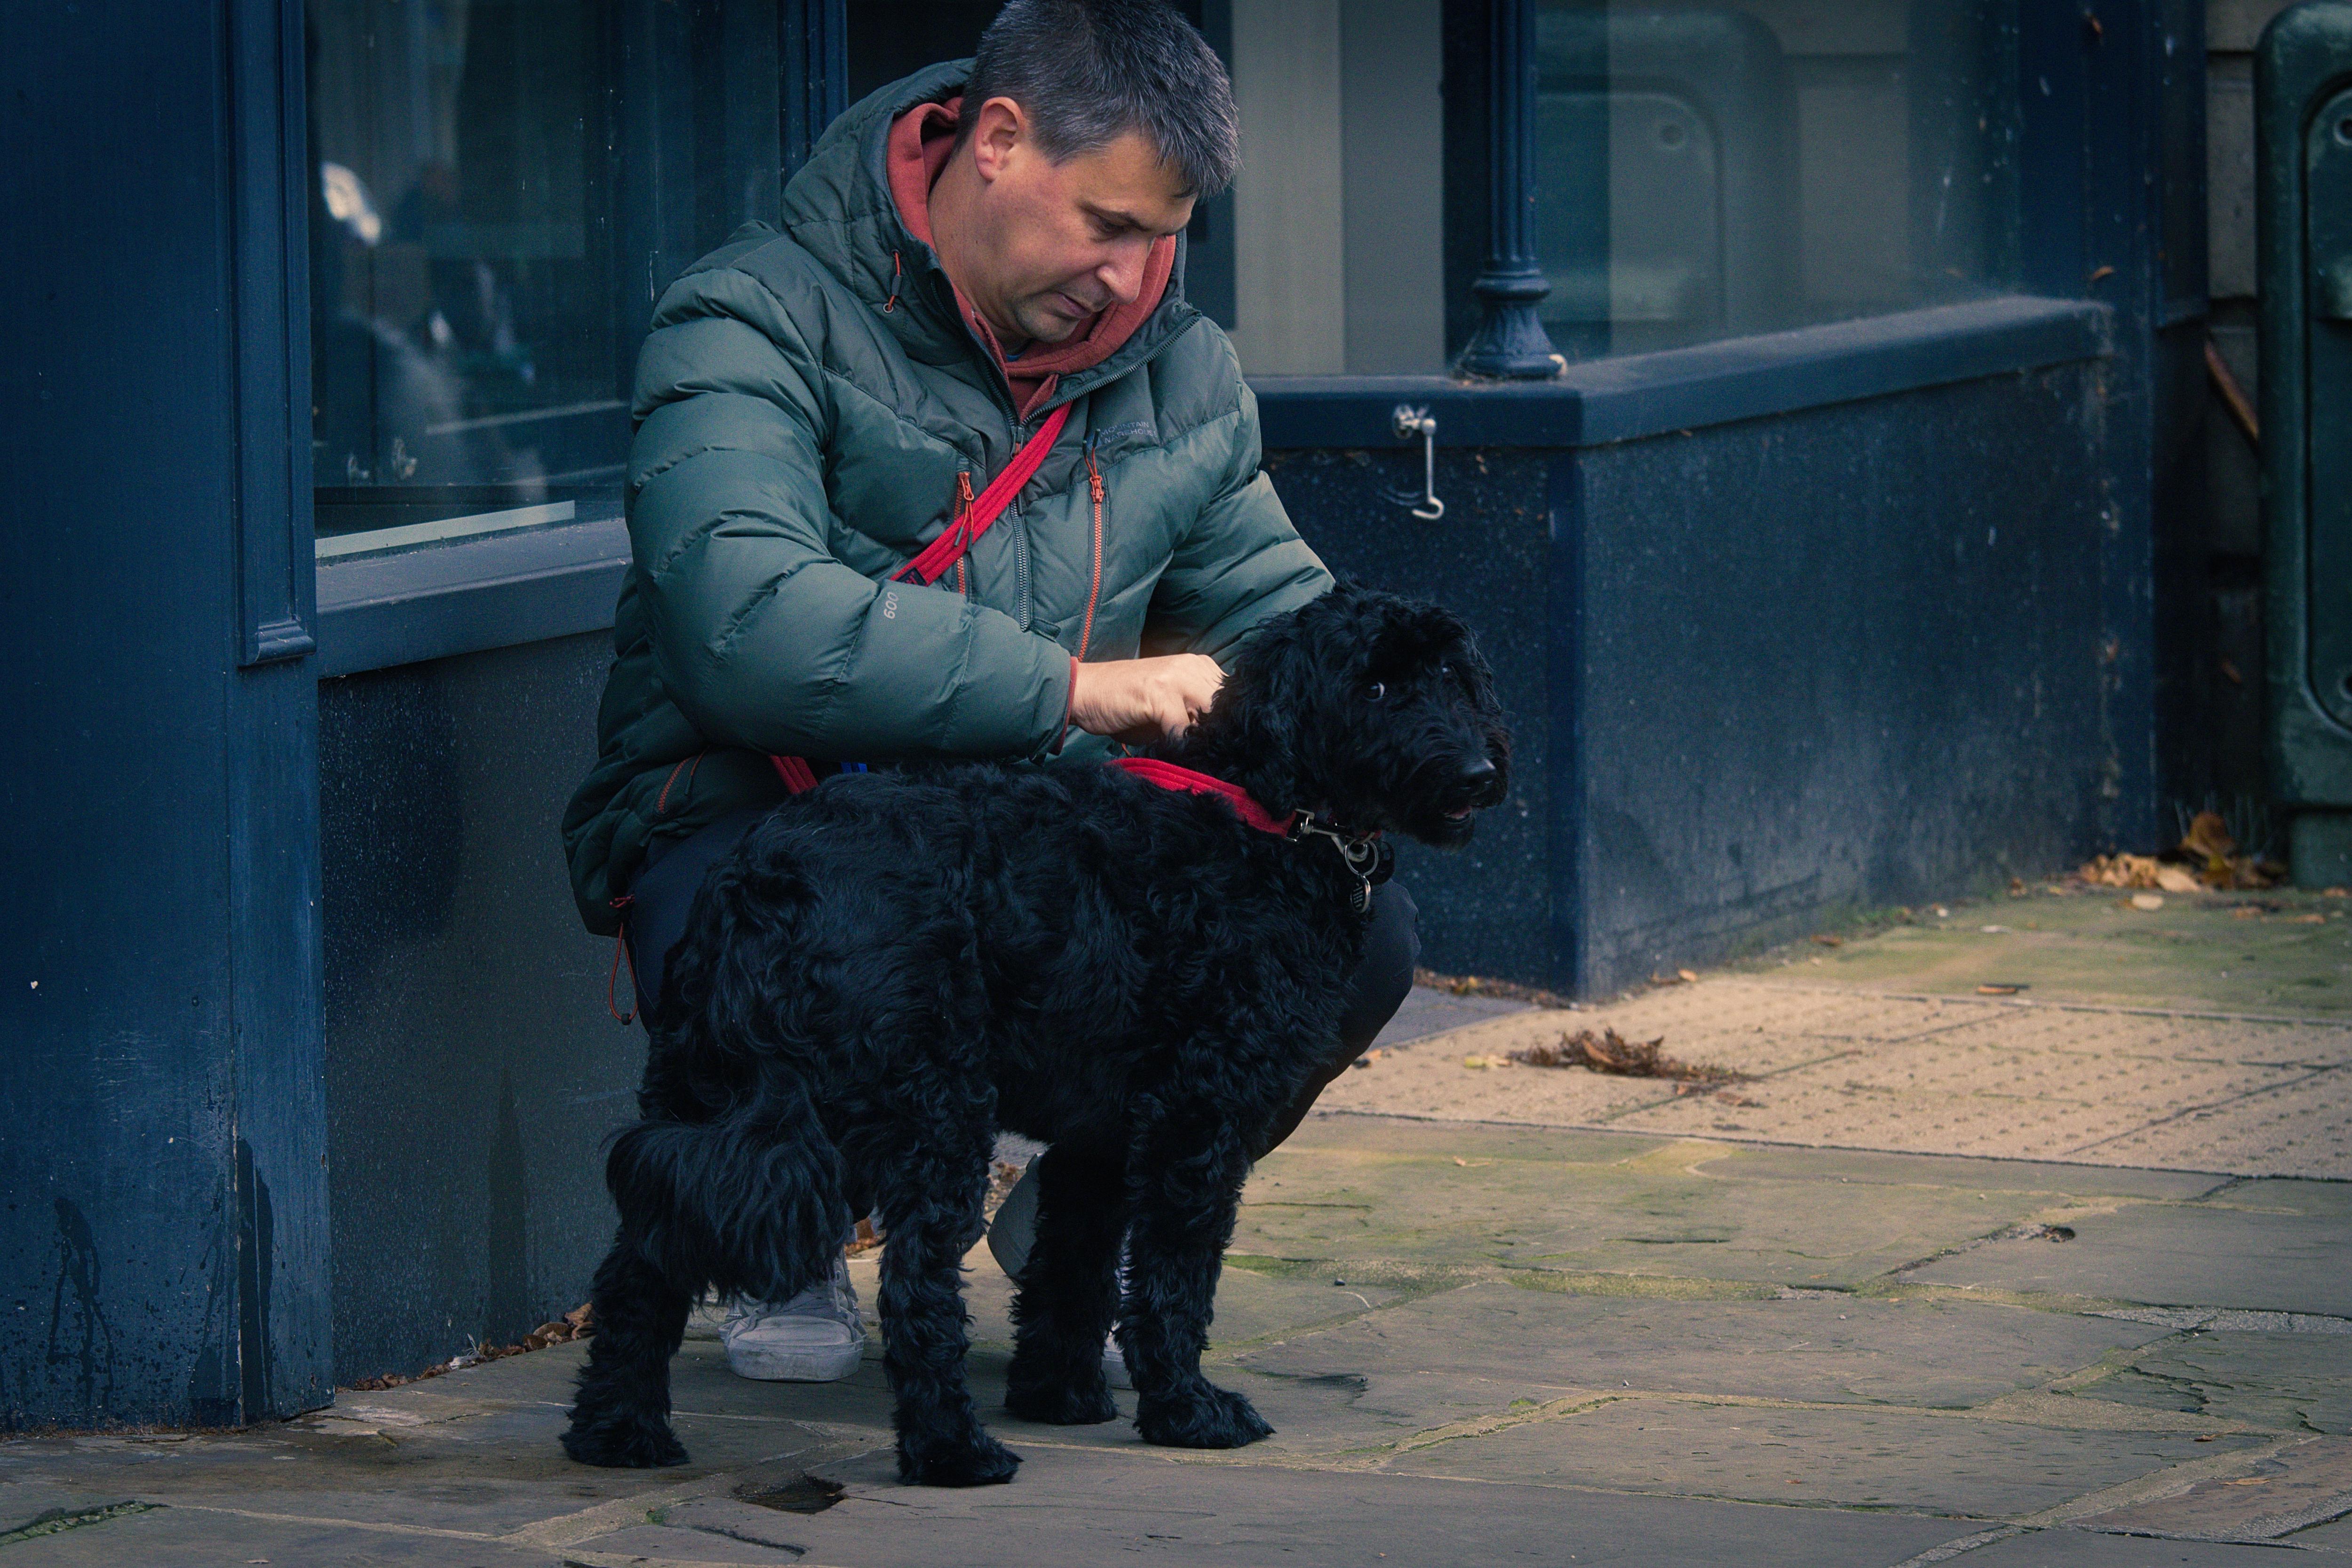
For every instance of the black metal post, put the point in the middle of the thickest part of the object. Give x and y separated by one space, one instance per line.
1510 340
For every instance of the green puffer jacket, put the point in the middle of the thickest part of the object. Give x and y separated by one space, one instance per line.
799 434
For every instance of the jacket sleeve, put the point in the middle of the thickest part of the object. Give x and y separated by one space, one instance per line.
765 639
1241 561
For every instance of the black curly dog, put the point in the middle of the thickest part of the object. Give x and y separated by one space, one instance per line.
894 966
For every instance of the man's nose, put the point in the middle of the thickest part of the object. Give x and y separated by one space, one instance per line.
1122 275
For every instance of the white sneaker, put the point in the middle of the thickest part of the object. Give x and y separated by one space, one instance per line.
1114 1358
816 1337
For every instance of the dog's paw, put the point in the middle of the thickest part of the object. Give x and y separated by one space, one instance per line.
1202 1416
1083 1400
977 1461
622 1443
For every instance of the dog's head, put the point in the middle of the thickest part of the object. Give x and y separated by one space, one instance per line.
1374 711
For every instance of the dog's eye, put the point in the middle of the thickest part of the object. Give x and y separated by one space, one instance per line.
1376 690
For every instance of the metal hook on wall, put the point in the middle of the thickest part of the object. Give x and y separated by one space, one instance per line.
1408 422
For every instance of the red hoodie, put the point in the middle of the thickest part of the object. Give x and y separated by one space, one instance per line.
921 141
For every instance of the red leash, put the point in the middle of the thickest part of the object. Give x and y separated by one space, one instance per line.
1168 776
978 514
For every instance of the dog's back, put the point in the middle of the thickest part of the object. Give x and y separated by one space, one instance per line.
1041 937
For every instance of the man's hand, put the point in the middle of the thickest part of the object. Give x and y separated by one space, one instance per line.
1142 699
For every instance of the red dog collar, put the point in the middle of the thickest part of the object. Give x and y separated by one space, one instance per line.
1168 776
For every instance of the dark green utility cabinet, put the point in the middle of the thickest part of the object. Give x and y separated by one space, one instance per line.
2303 101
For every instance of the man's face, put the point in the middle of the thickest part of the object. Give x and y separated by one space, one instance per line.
1051 244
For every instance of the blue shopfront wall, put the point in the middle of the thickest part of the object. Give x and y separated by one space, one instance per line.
164 1231
1854 615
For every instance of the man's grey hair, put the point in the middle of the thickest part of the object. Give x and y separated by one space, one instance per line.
1086 72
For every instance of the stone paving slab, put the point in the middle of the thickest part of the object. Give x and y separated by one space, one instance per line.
193 1538
1368 1189
1862 1458
2081 1549
2263 1245
2283 1382
1085 1510
1479 1344
1826 1347
2295 1484
2280 952
2334 1537
1994 1078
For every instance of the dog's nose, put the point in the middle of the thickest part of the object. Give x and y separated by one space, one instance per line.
1478 772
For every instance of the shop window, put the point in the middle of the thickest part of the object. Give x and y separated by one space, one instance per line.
1337 227
1709 171
501 189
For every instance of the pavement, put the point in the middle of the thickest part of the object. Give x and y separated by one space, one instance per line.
2056 1276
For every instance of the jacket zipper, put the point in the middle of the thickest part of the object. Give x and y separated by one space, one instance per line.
1094 591
1020 562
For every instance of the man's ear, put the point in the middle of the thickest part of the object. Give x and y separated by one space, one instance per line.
1002 128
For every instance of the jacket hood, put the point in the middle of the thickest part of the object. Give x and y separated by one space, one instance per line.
839 208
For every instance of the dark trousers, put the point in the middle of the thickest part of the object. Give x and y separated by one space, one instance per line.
667 883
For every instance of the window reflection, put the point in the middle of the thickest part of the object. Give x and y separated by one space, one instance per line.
462 333
1711 171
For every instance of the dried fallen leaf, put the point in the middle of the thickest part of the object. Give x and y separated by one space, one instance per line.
1688 977
2209 837
1610 1052
2313 920
1831 941
2177 880
1998 990
2121 871
2147 901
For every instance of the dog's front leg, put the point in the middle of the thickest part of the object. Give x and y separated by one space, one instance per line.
1189 1176
931 1214
1068 1294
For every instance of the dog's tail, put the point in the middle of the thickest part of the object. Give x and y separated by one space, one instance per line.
750 1204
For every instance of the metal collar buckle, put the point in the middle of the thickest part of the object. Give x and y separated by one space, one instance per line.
1368 856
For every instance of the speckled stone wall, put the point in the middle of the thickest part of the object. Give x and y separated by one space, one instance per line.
1846 657
1851 656
472 1068
1487 908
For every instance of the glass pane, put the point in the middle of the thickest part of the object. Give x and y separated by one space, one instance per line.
463 331
1336 227
1712 171
503 188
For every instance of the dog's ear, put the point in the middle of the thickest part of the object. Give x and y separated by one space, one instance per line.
1253 731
